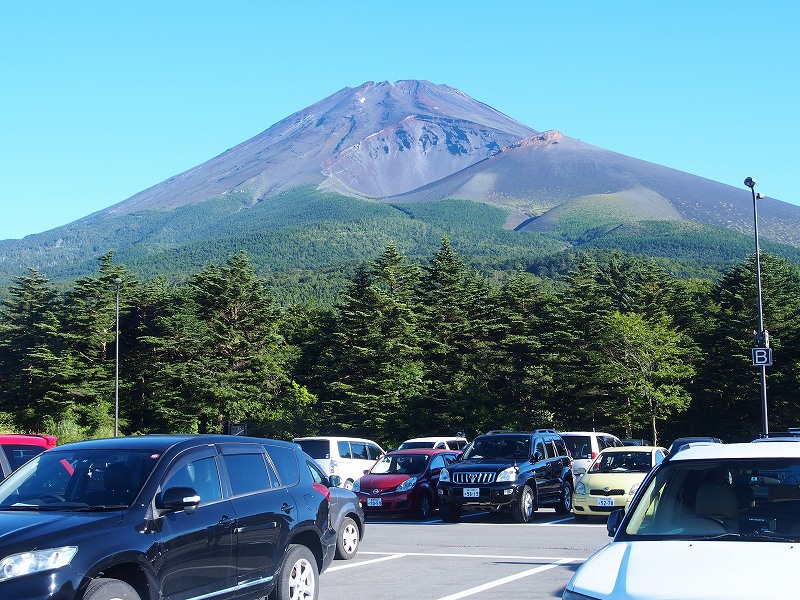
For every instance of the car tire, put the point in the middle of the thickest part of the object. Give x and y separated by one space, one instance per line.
299 576
347 540
524 507
425 507
110 589
451 513
564 506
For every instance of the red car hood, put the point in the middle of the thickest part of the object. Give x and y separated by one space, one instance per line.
383 482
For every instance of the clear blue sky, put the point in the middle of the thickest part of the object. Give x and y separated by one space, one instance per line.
102 99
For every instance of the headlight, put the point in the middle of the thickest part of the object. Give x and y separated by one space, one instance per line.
406 485
444 475
509 474
580 488
356 485
26 563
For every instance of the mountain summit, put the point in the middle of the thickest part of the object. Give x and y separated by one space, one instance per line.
376 141
418 141
331 185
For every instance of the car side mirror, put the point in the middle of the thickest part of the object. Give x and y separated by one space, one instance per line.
614 519
177 499
580 470
537 456
335 480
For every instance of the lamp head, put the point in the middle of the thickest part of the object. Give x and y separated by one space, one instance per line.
117 280
750 182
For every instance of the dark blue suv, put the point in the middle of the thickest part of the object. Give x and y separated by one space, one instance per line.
167 517
520 471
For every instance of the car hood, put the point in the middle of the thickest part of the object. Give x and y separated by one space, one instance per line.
613 481
26 530
382 482
687 570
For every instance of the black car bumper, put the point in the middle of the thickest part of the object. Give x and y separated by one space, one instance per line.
486 495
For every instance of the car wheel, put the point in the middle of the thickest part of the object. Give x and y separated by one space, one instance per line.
299 577
110 589
425 507
564 506
451 513
523 508
347 540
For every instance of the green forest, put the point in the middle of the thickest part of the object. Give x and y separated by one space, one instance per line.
408 347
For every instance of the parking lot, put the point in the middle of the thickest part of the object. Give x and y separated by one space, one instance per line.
485 556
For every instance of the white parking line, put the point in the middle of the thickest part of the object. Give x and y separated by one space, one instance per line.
504 580
364 562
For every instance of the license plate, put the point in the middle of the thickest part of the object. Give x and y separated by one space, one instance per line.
605 502
472 493
374 502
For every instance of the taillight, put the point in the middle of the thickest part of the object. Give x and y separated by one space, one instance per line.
322 490
593 456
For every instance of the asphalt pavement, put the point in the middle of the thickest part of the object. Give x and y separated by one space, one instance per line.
485 556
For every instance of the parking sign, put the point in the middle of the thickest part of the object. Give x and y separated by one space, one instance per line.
762 357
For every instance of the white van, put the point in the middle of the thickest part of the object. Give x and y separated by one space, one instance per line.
343 456
446 443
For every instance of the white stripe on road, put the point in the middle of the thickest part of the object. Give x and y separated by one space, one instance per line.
504 580
364 562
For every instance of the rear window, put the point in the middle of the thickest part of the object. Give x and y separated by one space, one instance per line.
415 445
580 446
315 448
19 454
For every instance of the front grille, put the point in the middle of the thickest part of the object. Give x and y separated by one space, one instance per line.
607 492
473 478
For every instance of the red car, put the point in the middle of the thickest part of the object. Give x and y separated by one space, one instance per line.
403 481
17 449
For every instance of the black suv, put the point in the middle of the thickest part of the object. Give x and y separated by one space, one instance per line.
166 517
522 471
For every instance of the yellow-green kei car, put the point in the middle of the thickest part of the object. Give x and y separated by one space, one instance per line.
612 479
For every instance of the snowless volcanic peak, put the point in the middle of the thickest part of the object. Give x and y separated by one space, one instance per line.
376 140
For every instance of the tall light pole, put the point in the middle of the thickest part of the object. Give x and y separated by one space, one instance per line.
762 355
118 281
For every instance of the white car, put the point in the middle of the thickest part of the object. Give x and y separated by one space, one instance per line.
441 442
346 457
712 522
584 446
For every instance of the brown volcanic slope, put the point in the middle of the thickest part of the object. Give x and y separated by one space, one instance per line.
549 175
414 140
378 139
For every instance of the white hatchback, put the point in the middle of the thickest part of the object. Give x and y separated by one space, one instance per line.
715 521
445 443
343 456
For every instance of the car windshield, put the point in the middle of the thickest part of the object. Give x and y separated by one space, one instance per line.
720 499
405 464
506 447
622 462
19 454
78 480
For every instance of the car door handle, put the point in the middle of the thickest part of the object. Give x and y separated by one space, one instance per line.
226 521
287 508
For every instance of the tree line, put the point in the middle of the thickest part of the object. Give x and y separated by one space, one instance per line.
409 348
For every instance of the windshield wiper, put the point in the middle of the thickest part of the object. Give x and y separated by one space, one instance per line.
100 507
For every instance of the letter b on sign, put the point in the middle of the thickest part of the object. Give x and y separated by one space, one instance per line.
762 357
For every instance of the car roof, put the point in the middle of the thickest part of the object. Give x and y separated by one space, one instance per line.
162 442
334 438
427 451
435 439
743 450
46 441
629 449
563 433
